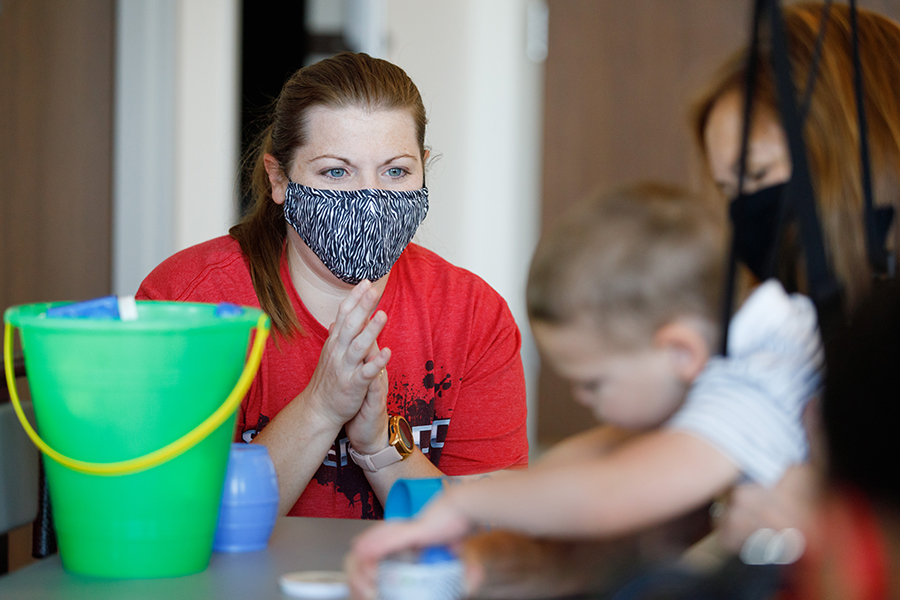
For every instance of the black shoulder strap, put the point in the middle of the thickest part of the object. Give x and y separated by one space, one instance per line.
750 86
822 286
799 199
877 220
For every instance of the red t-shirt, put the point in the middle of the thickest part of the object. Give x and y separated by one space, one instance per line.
455 369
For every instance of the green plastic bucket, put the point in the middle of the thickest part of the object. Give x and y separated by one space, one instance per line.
137 417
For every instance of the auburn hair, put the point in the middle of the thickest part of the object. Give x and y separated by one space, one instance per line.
831 129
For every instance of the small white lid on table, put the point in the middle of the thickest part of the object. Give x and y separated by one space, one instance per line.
316 585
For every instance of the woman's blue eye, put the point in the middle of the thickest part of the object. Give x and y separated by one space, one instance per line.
396 172
337 173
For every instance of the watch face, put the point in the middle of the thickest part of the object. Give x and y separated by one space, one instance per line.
405 432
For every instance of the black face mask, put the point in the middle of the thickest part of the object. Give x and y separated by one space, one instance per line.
754 219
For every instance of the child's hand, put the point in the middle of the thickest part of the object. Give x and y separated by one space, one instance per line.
752 506
441 524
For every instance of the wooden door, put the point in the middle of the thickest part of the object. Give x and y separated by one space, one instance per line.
56 115
620 77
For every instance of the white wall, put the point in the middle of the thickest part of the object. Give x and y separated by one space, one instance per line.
143 163
177 130
207 128
483 98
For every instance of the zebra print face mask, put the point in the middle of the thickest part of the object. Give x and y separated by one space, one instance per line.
357 234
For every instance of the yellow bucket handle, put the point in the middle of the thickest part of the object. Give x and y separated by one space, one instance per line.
157 457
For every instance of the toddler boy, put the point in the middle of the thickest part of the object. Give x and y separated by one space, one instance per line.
623 297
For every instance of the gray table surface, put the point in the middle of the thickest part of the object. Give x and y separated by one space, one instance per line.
297 544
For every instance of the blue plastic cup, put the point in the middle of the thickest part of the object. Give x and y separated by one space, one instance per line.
249 501
408 496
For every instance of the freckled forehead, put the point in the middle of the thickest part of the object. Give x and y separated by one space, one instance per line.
336 128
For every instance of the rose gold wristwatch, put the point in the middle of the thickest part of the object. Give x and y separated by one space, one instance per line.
400 446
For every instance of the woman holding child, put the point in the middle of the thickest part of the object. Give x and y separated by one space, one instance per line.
388 361
832 137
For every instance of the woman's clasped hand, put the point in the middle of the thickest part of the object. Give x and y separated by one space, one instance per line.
350 383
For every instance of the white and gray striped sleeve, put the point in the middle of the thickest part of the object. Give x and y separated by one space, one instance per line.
749 405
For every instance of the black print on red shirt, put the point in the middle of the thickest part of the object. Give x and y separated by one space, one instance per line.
441 386
249 434
349 479
416 402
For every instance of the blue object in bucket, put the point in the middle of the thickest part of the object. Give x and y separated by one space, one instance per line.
106 307
408 496
227 309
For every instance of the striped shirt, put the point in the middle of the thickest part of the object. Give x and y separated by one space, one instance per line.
749 405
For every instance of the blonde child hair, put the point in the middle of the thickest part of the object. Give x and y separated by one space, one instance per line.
630 262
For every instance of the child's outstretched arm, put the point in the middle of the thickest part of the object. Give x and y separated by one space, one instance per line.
646 481
588 445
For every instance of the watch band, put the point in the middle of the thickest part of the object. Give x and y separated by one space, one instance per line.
400 447
379 460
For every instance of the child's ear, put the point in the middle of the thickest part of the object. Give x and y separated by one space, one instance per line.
687 345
